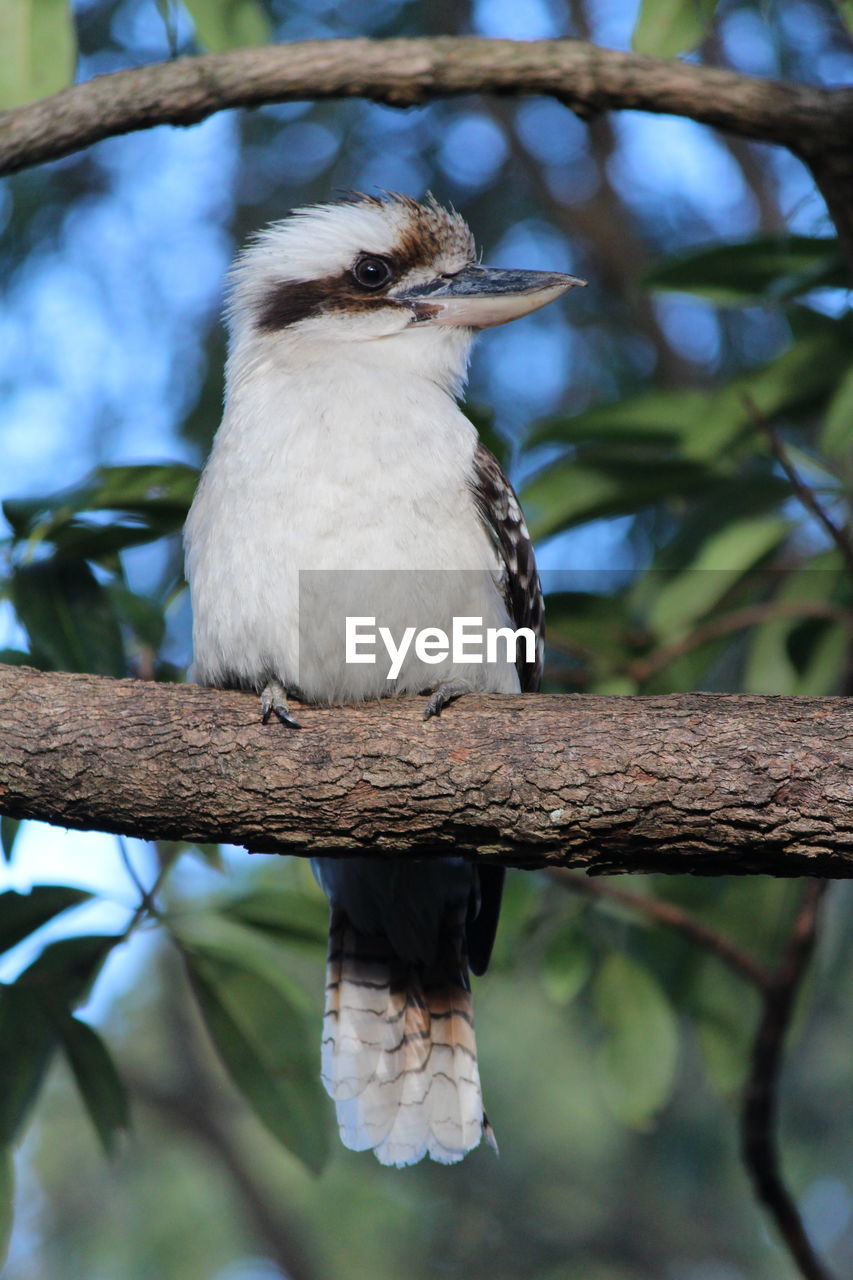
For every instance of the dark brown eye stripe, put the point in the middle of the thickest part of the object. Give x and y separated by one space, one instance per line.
290 301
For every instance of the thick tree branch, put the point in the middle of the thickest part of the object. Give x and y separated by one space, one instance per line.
702 783
817 124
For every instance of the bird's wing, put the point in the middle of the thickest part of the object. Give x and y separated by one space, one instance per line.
522 591
500 512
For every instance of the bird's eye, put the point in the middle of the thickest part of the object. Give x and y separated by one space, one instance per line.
371 273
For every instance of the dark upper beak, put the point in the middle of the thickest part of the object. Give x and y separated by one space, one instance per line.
479 297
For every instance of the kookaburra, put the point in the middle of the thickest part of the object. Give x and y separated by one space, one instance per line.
344 470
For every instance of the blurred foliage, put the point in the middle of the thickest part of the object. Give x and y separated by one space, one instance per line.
667 27
39 49
677 556
226 24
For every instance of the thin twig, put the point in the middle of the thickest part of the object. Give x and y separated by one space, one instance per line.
124 854
673 917
147 905
740 620
759 1119
807 496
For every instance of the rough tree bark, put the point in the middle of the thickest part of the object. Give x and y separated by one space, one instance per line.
706 783
816 124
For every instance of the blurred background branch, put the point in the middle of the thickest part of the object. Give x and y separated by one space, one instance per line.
671 917
760 1106
778 989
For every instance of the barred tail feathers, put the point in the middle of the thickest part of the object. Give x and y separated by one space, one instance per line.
399 1054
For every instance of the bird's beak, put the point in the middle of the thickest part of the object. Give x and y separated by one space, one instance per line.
480 297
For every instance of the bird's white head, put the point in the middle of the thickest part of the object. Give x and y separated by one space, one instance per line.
397 277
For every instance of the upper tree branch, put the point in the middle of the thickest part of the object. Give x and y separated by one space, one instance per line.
703 783
817 124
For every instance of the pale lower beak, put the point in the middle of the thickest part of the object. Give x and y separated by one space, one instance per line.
480 297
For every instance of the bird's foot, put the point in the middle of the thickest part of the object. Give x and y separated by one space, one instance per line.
274 700
443 694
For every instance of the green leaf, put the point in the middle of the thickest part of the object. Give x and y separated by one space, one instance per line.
801 375
731 498
39 49
723 559
614 686
229 24
22 913
7 1200
845 9
284 913
68 616
655 417
161 490
66 970
836 437
212 932
667 27
764 269
702 424
82 540
567 965
569 492
142 615
209 854
725 1014
769 668
774 665
97 1079
821 672
9 829
801 378
27 1043
30 1008
159 493
15 658
263 1039
599 626
639 1054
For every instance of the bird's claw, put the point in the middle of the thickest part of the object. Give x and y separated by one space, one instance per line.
274 701
444 694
